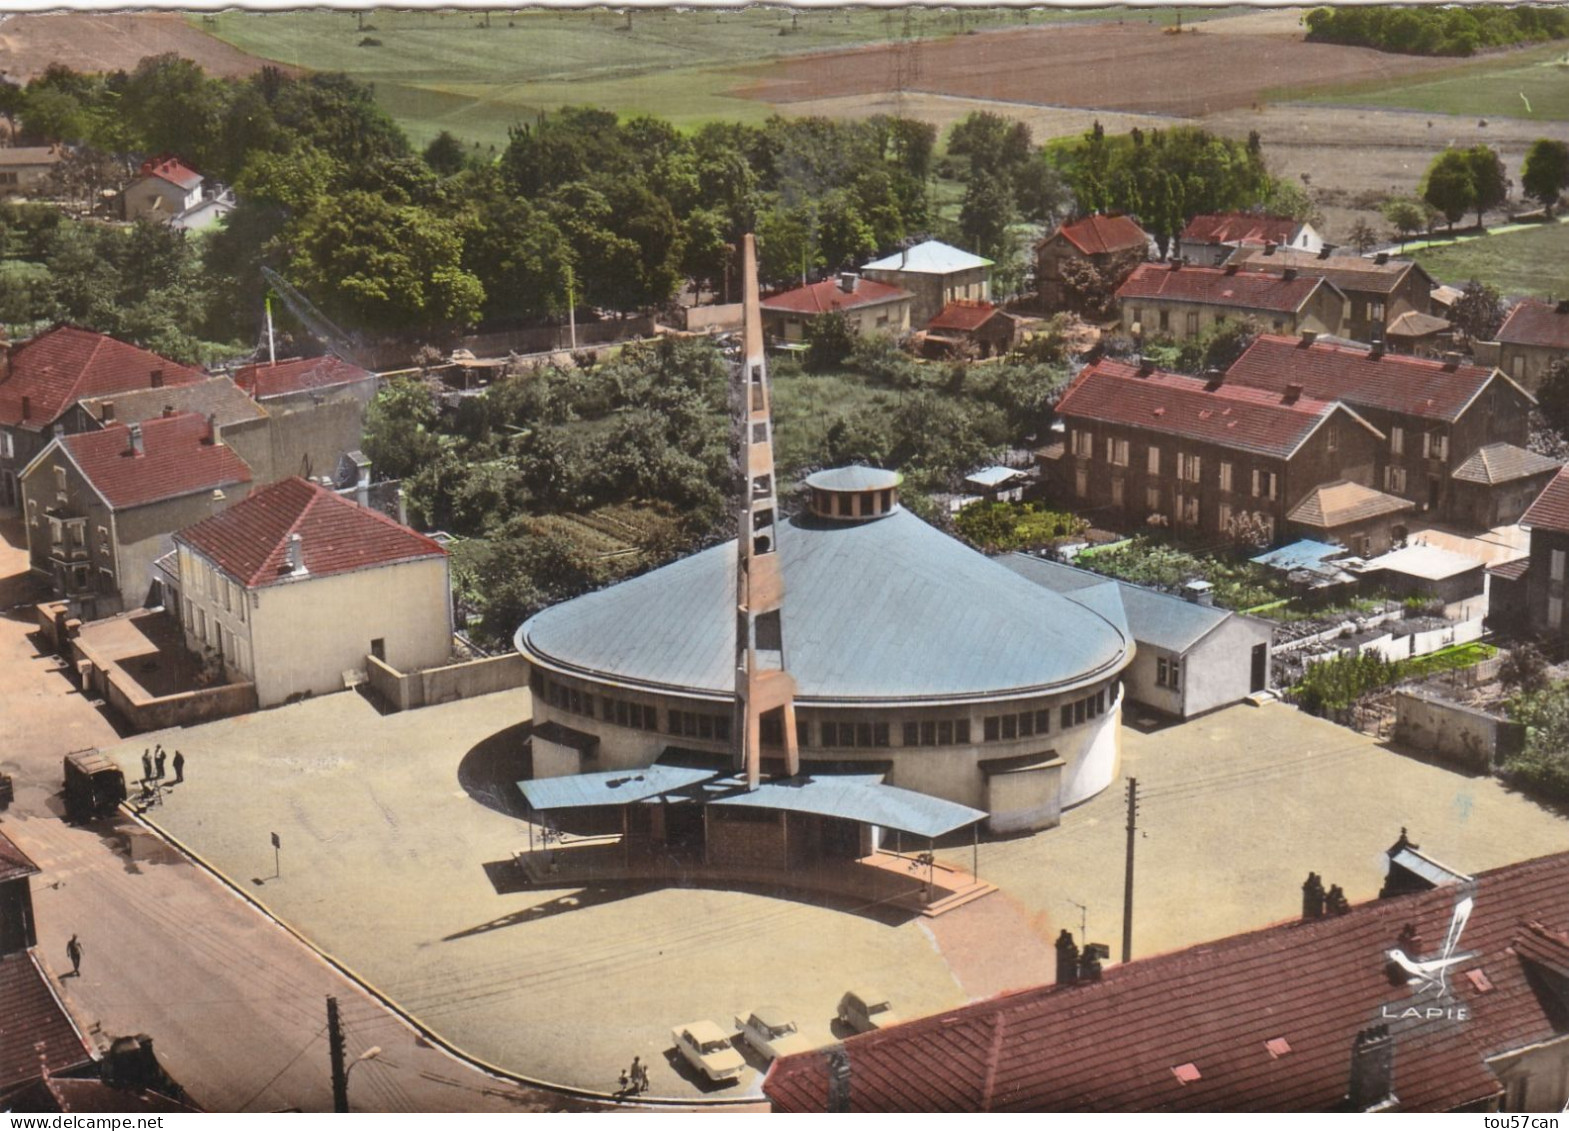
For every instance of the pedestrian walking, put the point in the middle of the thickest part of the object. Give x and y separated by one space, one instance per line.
161 757
639 1075
73 951
147 765
179 767
625 1087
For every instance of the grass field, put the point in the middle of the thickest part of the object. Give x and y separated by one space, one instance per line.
807 405
449 70
1532 83
1532 262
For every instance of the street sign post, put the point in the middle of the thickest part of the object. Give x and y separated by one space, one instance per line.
276 844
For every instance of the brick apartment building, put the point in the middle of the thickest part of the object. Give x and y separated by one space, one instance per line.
1181 302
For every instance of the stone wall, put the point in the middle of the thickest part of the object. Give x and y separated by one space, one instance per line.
404 691
1459 736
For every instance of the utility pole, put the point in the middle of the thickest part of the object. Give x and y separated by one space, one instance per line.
571 296
1127 882
340 1071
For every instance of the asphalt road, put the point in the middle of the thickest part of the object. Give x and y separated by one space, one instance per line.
235 1005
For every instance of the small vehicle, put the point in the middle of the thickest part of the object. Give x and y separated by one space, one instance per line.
771 1033
94 786
707 1048
866 1010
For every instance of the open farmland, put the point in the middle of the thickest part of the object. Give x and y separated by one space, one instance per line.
1129 65
454 70
111 41
1533 262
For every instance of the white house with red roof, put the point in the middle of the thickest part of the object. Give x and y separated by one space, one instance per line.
868 306
102 506
43 378
293 587
164 188
1210 239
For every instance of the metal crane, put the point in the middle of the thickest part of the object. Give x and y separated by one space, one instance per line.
314 320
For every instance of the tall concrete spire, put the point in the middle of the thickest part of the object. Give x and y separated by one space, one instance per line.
763 687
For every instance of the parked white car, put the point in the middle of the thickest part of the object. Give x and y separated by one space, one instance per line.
865 1010
771 1033
707 1048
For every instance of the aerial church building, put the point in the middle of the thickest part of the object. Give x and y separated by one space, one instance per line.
849 663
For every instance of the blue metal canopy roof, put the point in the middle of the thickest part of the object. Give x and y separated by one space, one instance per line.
891 610
611 787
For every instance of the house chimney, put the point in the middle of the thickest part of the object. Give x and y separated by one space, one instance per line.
1375 351
848 280
168 411
1269 247
1090 959
1199 592
1336 901
155 379
1313 897
296 555
134 441
362 484
1214 378
1176 262
1309 337
1451 359
1372 1069
1561 308
27 406
1381 258
839 1079
1289 274
1067 958
214 433
1293 394
106 412
1231 268
1323 252
1146 365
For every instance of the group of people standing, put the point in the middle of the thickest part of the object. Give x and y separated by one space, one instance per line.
153 765
634 1079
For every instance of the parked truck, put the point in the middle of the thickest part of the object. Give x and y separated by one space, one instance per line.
94 786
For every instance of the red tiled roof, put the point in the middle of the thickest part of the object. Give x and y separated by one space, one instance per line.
1112 1045
297 375
14 864
60 366
177 458
250 540
173 170
1551 509
1510 571
1348 272
1100 235
1239 227
1216 286
32 1016
94 1096
1414 386
1246 419
1537 324
821 298
964 316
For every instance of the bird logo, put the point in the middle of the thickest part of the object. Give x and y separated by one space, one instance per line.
1432 974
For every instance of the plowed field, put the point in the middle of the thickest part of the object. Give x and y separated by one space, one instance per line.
110 41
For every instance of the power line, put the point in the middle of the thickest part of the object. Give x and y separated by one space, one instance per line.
284 1069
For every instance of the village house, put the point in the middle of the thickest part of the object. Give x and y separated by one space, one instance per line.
101 506
317 409
1312 1015
1113 245
163 189
1527 595
1425 335
1209 240
1181 302
935 274
1533 336
869 307
1378 290
42 378
293 587
1210 458
966 326
1435 416
1190 657
26 169
1362 519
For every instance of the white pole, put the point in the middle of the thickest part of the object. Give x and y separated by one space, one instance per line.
272 356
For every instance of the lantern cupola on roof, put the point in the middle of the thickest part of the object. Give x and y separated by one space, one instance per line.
854 494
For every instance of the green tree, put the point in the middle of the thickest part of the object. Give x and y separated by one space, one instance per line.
1478 312
169 105
445 154
1406 217
1545 174
1489 180
987 216
829 340
520 258
1362 237
1450 186
401 428
386 268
